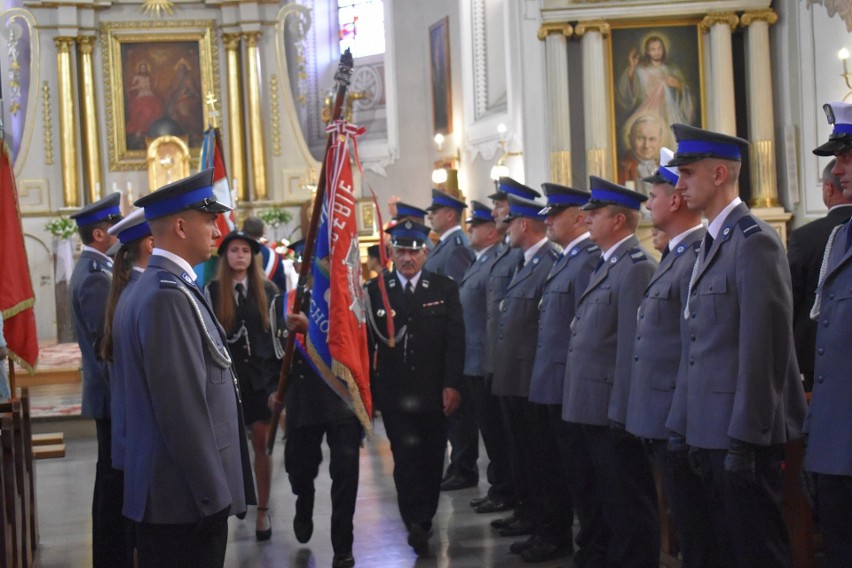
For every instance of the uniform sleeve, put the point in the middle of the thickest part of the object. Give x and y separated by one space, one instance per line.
765 336
177 377
454 354
458 262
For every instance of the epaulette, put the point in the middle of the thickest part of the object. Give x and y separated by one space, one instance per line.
97 266
593 248
458 240
555 254
637 255
748 225
169 284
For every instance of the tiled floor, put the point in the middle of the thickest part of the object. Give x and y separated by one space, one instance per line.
462 538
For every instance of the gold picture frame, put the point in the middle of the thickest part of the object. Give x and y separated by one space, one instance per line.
656 79
366 219
439 65
157 77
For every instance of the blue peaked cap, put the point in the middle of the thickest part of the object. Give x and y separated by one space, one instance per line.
695 144
506 186
105 209
193 192
561 197
406 210
444 199
607 193
408 234
520 207
480 213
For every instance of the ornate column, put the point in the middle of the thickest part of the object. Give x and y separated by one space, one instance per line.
89 116
67 122
255 118
595 105
761 124
722 115
555 38
235 115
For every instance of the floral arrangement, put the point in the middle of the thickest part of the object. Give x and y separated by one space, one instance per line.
275 216
61 227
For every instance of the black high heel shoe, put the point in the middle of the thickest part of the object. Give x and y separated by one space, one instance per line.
265 534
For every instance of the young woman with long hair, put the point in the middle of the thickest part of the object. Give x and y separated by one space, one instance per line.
241 297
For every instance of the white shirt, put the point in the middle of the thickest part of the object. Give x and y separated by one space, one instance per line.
716 224
530 252
414 280
483 251
97 252
449 232
608 253
674 241
575 242
244 282
179 260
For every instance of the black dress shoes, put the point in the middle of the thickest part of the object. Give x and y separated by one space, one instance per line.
303 524
343 560
494 506
418 539
544 552
479 501
458 482
504 522
522 546
519 528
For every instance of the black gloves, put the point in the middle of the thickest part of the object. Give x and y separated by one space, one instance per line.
209 523
739 462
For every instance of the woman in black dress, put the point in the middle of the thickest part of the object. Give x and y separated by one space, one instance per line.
241 297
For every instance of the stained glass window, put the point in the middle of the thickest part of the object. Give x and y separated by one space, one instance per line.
362 26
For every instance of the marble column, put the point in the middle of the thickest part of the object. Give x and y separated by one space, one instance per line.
89 116
595 99
236 136
67 121
761 122
255 117
555 38
722 115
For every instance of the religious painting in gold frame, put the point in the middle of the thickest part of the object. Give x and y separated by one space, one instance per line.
157 78
439 64
656 80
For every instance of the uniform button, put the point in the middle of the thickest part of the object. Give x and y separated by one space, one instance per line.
205 500
638 337
821 350
657 293
570 349
831 296
692 361
539 344
711 287
820 380
693 316
642 317
413 368
636 357
825 323
692 337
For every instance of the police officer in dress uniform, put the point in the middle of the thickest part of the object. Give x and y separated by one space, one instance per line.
187 466
451 257
597 379
515 348
657 357
829 425
568 277
485 241
740 396
416 381
89 287
805 249
502 270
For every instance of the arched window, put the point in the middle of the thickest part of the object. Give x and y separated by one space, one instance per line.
362 27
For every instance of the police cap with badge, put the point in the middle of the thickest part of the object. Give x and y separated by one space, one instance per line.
605 193
506 186
408 235
480 213
520 207
695 144
665 173
404 210
105 210
234 235
131 228
190 193
443 199
839 115
561 197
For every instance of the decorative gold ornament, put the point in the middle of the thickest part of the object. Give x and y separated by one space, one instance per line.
592 26
711 20
555 28
155 7
768 15
275 118
48 134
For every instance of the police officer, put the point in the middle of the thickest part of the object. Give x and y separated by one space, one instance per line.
416 381
485 241
451 257
186 464
89 287
502 270
656 358
568 277
597 379
829 451
741 396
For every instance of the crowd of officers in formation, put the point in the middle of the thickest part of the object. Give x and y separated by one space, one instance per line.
583 362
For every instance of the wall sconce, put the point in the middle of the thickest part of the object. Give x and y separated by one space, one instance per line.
500 169
445 175
843 54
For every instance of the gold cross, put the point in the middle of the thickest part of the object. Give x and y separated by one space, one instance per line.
212 113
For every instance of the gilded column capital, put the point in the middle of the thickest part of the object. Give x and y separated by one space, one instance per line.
86 44
252 38
64 43
592 26
768 15
716 18
565 29
231 41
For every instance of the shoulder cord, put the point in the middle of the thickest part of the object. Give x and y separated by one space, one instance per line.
375 327
242 332
277 334
222 359
823 268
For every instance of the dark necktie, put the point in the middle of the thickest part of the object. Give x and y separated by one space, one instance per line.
408 294
708 242
240 290
599 264
666 252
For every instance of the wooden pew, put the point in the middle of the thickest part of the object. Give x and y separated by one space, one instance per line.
11 512
29 462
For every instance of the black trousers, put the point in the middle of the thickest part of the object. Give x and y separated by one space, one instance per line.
418 442
463 435
549 487
112 542
516 425
486 409
302 457
181 545
834 506
630 497
747 521
593 537
692 525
